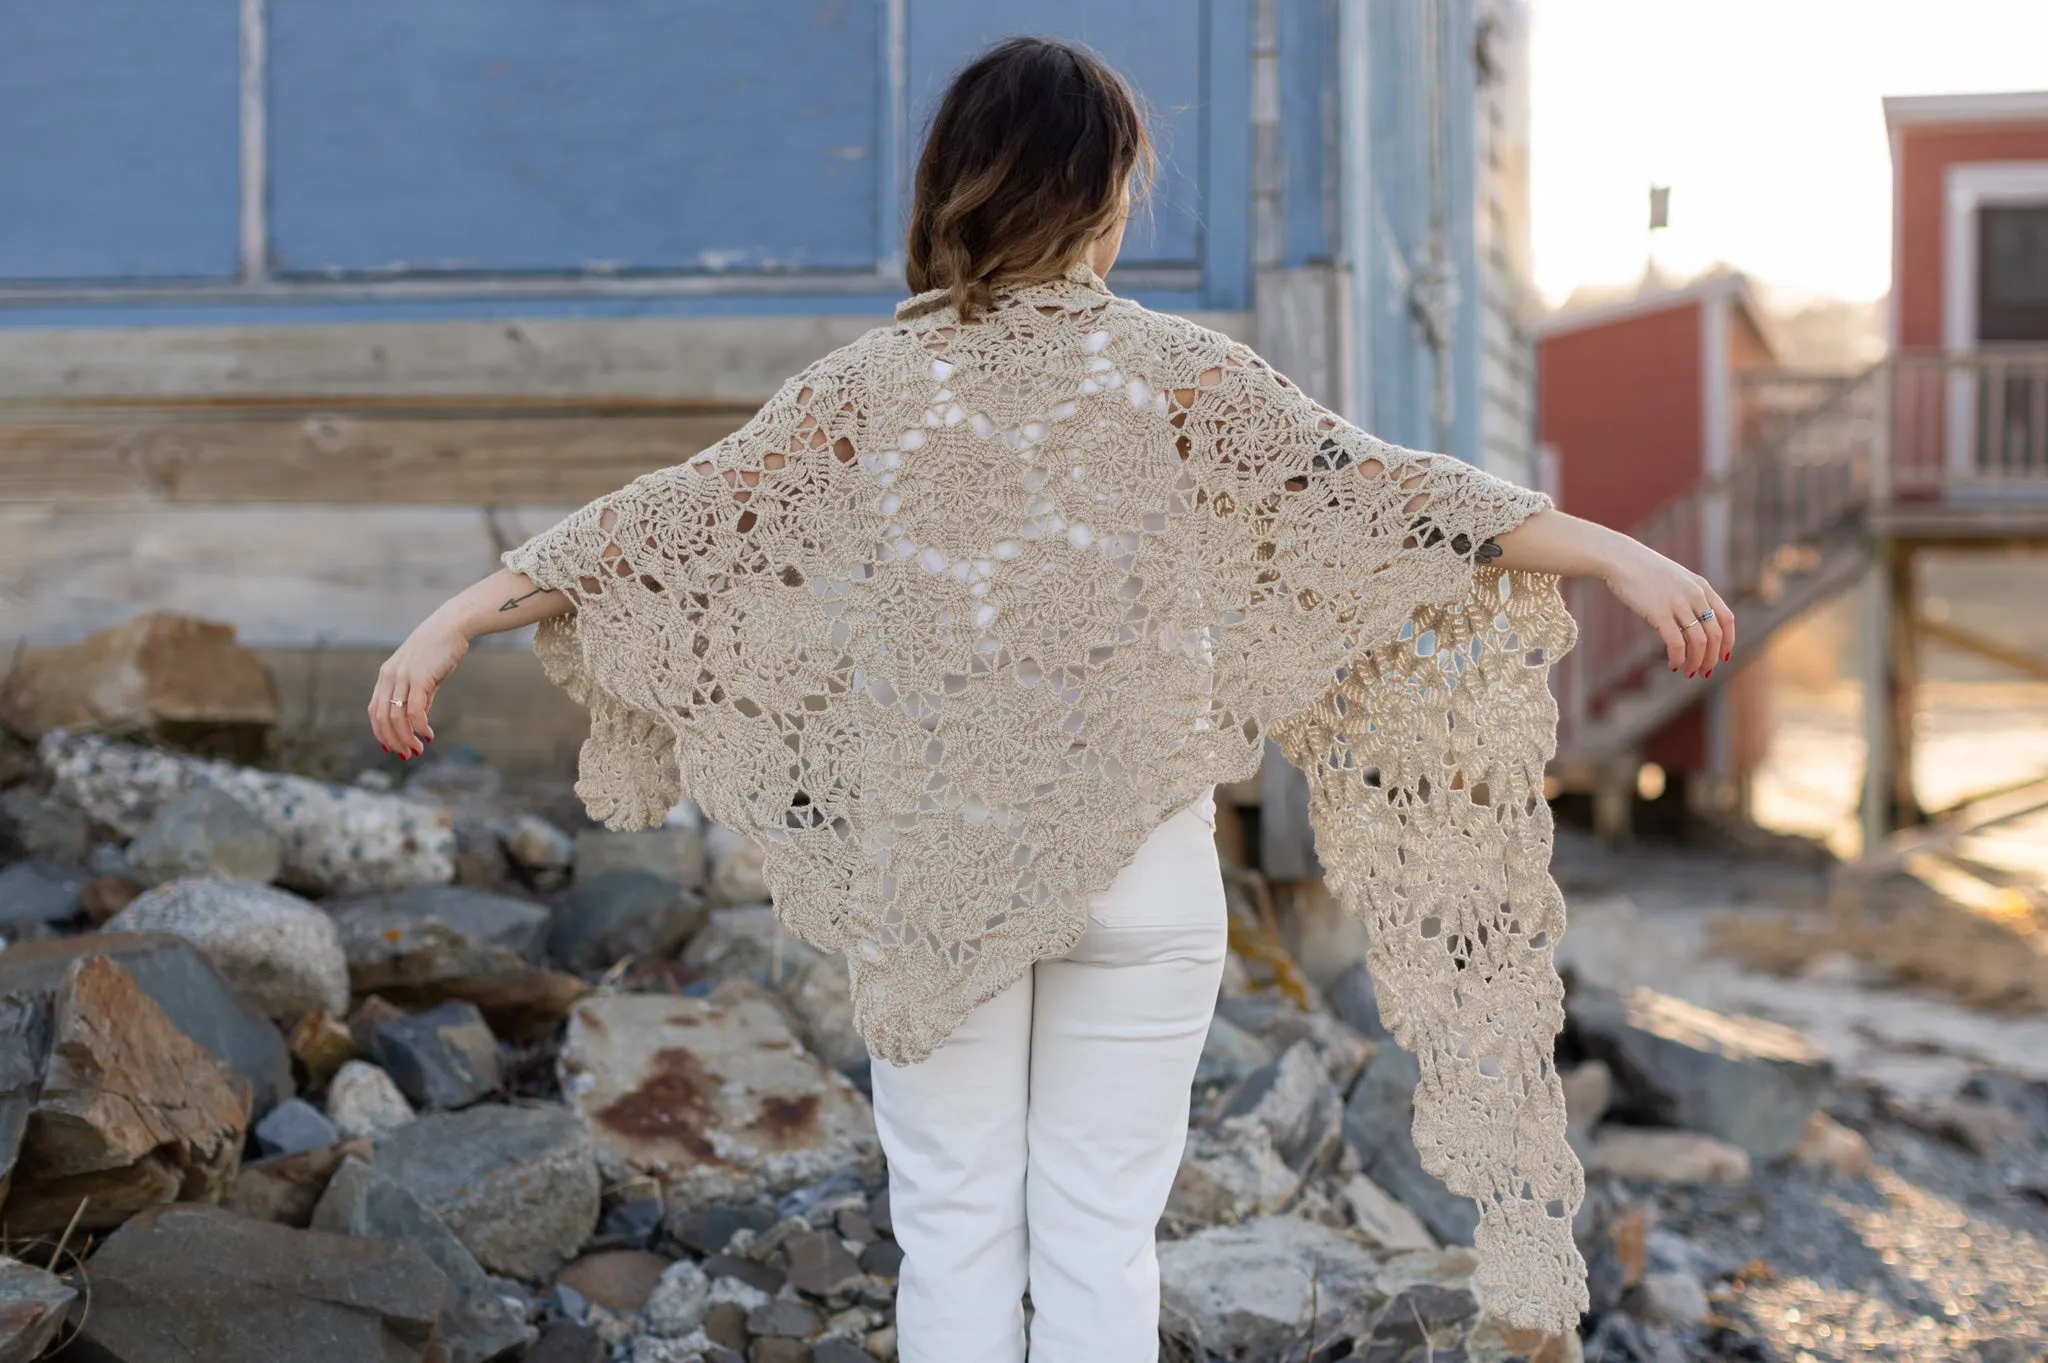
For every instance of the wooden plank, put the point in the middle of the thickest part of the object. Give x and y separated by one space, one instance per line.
301 455
284 576
1969 641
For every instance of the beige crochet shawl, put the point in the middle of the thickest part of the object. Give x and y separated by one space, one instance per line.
967 610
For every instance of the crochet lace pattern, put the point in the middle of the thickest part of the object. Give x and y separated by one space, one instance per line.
967 609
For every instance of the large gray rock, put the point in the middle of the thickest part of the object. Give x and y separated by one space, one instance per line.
1424 1306
362 1101
1229 1053
1293 1098
443 1058
736 859
672 852
280 951
517 1185
426 935
748 943
192 993
713 1097
1378 1125
1253 1291
207 834
1341 1047
1230 1172
1752 1083
40 828
476 1323
38 892
333 839
181 1284
821 996
603 918
32 1305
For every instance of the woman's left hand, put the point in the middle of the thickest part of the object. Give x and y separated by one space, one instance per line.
1696 625
406 685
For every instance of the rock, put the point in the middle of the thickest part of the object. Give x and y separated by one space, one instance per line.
281 952
40 828
818 1263
476 1323
736 860
131 1111
332 839
294 1125
104 896
1229 1054
1228 1172
567 1342
1750 1082
1971 1124
1588 1092
36 892
1834 1149
208 835
1355 1001
1381 1219
817 1203
1424 1305
882 1344
1280 1023
629 1224
884 1257
362 1101
677 1303
1379 1120
430 943
187 987
1662 1156
286 1188
821 996
783 1318
517 1185
24 1051
748 943
373 1012
673 853
536 844
621 1279
1250 1291
1676 1299
443 1058
322 1044
713 1097
32 1306
180 1283
771 1350
709 1227
170 677
834 1350
455 775
606 917
1292 1097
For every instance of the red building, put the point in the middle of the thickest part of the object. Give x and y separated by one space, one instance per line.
1637 408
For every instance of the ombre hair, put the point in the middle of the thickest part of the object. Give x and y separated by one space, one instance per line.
1025 163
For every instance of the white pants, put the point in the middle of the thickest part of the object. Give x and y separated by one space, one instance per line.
1036 1147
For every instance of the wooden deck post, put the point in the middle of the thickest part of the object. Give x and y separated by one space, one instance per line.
1889 668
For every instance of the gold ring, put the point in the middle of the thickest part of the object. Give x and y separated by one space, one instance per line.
399 703
1690 624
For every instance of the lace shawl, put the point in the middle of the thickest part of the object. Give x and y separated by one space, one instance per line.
967 609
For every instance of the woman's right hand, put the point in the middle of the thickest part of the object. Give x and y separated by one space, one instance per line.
406 684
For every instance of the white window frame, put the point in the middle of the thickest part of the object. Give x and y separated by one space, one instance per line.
1968 189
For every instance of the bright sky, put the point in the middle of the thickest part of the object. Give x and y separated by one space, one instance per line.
1763 116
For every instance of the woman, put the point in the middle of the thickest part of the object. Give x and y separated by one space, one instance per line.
967 624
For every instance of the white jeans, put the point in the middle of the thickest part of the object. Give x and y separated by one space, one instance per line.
1036 1147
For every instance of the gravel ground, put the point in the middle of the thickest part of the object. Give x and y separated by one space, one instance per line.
1934 1257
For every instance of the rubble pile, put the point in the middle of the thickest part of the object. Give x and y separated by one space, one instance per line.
415 1074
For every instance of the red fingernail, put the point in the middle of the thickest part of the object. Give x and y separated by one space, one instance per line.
1710 671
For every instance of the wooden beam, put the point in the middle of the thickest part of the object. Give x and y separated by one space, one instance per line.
1969 641
296 455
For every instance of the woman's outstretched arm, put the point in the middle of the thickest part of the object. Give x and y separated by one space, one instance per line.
409 678
1666 594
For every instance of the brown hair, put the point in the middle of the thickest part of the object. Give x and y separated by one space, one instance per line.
1024 164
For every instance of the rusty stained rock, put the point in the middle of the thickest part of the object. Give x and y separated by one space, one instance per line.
713 1097
286 1188
132 1112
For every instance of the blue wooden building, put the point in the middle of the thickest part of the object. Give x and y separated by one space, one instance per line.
306 307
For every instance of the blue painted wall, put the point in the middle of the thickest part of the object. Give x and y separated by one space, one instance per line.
119 140
446 158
